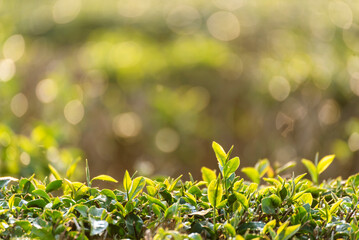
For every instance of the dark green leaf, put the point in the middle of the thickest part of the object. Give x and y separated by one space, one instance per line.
54 185
41 203
42 193
268 206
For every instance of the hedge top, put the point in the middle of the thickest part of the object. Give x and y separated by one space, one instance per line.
220 206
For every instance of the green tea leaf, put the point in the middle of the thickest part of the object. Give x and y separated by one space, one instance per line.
222 204
156 201
242 199
252 173
208 175
335 206
151 190
231 166
54 172
24 224
194 190
104 178
82 209
127 181
288 232
134 225
108 193
191 198
136 186
70 171
96 212
37 203
220 153
174 183
11 201
171 210
215 192
230 229
54 185
324 163
43 194
311 169
275 200
262 167
306 198
285 167
271 224
268 206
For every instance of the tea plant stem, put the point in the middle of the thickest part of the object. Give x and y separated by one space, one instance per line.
214 221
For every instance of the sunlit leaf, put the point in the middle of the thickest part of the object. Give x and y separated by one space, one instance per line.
127 181
252 173
242 199
208 175
136 186
311 169
288 232
324 163
109 193
54 172
262 167
231 166
104 178
220 153
230 229
306 198
215 192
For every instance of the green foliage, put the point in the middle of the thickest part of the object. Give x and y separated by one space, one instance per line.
220 207
318 167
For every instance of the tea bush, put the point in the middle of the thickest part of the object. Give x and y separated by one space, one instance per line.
220 206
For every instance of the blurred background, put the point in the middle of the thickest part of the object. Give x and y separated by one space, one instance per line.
147 85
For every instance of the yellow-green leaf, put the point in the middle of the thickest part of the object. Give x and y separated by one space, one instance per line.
208 175
288 232
104 178
324 163
230 229
173 185
242 199
262 167
311 169
231 166
127 181
215 192
306 198
269 224
335 206
137 185
252 173
72 168
220 153
54 172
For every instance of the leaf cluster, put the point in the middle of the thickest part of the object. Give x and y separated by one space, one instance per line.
220 206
